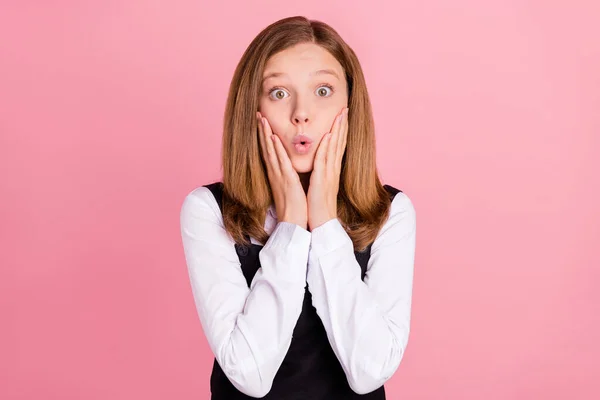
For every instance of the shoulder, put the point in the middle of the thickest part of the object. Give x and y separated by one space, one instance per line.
200 202
401 222
401 203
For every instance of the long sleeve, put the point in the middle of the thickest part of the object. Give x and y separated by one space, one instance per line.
367 323
249 330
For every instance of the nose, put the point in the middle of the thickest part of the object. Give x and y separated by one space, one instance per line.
300 119
303 109
300 115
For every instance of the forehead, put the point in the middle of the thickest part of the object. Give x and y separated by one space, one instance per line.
301 60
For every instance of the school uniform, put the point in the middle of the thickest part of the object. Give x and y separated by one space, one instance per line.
302 316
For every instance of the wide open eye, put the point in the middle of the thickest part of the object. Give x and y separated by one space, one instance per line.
278 93
323 89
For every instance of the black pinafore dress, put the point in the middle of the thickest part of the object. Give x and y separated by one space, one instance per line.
310 369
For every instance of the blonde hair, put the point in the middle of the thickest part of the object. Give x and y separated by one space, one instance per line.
363 203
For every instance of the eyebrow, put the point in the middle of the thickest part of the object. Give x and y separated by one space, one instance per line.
319 72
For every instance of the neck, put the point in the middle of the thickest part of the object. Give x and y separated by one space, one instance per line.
305 180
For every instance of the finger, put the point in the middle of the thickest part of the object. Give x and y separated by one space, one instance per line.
285 164
342 140
272 153
332 146
320 161
261 140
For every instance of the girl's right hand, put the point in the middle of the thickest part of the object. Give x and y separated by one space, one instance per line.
289 196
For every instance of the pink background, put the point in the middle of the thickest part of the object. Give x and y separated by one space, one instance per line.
487 116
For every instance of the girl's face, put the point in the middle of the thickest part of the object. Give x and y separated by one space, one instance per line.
303 90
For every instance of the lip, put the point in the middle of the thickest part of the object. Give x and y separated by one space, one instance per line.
301 138
302 149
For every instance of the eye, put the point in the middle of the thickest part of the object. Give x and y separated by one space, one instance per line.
278 93
321 90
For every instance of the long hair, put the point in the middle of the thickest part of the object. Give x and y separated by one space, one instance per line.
363 204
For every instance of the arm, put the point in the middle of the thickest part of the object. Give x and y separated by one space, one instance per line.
367 323
249 330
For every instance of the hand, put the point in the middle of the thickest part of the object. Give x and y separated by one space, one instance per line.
288 193
325 177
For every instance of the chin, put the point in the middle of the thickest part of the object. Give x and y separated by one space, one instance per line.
303 166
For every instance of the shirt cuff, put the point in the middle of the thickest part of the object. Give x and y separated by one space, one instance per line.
286 252
328 237
287 235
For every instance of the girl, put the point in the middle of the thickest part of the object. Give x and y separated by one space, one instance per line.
300 260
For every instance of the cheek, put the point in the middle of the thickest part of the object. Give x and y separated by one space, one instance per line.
276 123
268 112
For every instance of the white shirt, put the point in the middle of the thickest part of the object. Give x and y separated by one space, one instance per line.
249 330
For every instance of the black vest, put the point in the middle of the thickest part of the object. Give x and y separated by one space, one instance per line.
310 369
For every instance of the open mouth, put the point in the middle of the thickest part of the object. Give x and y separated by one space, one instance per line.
302 143
302 147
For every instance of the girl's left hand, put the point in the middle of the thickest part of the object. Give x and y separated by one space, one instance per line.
325 177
